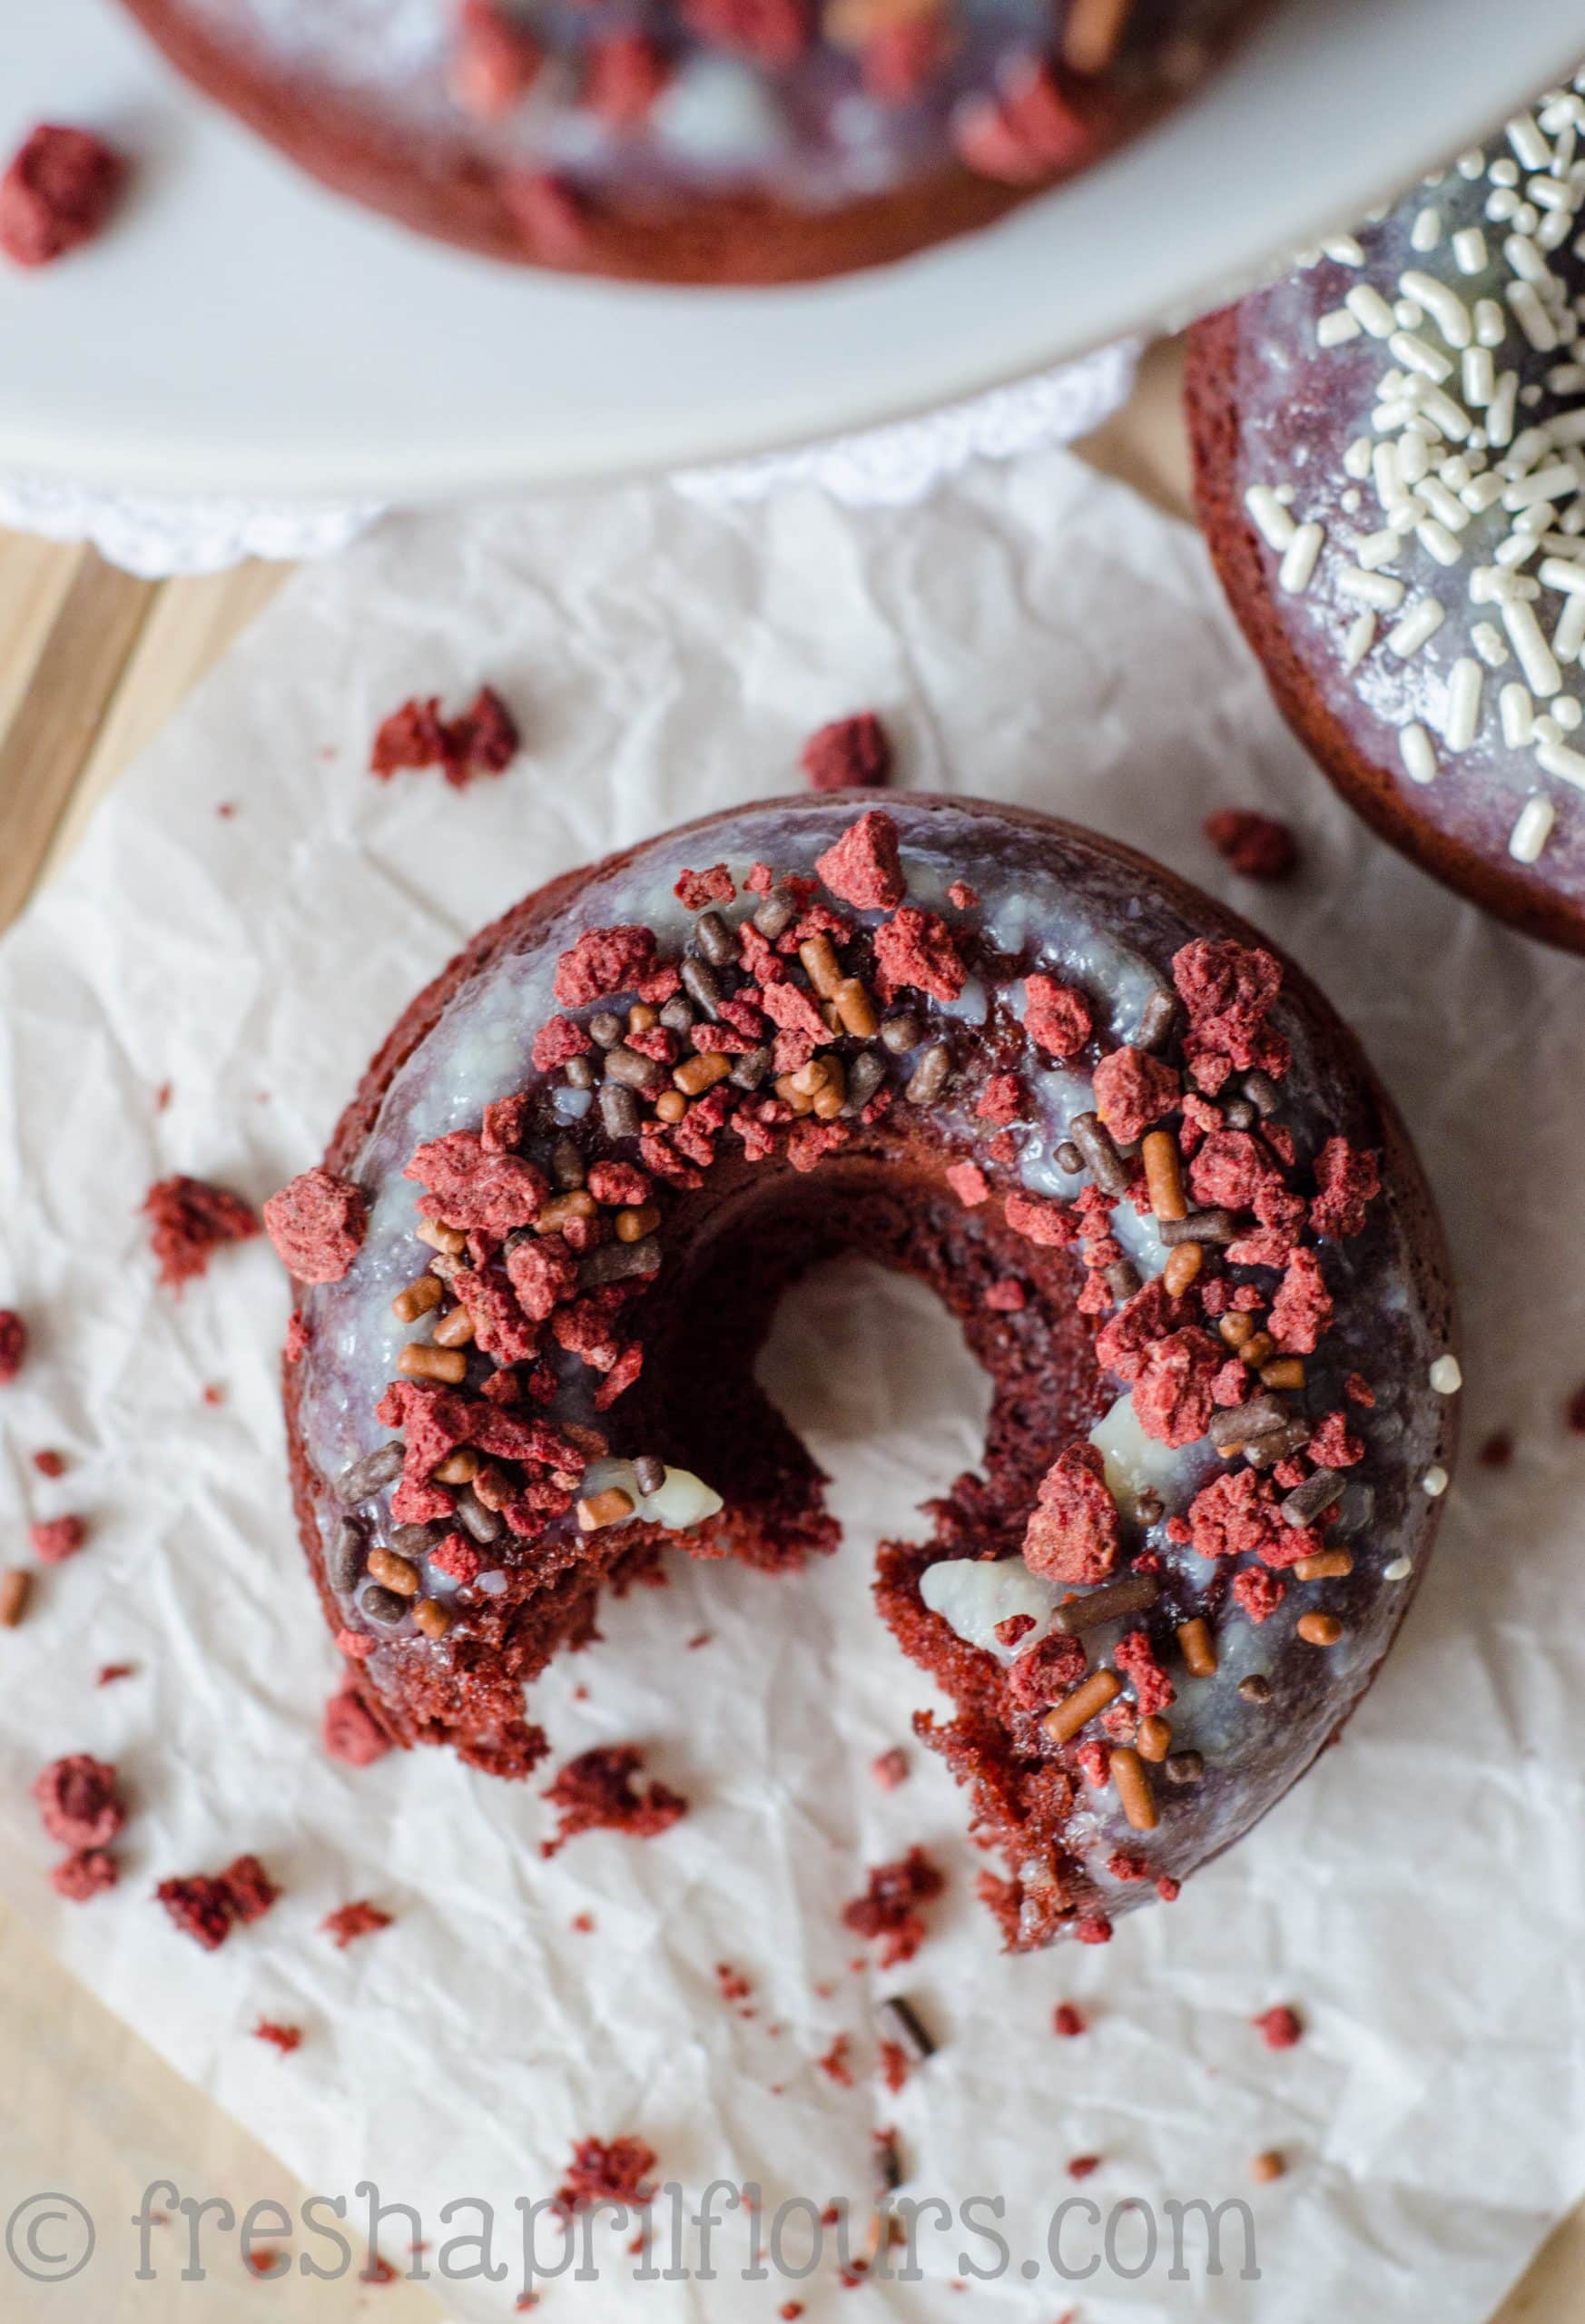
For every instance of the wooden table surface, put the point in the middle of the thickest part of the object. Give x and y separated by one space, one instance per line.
91 664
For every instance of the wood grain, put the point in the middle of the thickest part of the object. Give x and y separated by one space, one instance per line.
91 664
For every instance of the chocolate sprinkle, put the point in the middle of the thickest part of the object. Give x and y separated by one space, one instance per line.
1199 1226
1156 1020
1317 1493
929 1075
372 1474
1105 1164
714 939
905 2026
1131 1593
618 1110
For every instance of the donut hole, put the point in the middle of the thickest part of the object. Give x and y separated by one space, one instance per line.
731 1373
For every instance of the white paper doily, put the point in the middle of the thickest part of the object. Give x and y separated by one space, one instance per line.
158 536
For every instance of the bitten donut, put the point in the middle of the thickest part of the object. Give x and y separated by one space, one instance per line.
1390 459
696 141
1135 1154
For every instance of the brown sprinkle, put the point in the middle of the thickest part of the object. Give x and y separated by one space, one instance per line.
855 1008
16 1589
1237 1330
1182 1267
831 1096
671 1106
1282 1371
1327 1565
1265 2168
454 1330
492 1487
649 1473
901 1033
458 1468
633 1225
431 1618
1255 1352
394 1572
417 1299
1153 1738
577 1203
1164 1175
1133 1789
697 1074
821 965
418 1362
1319 1629
792 1096
1256 1689
1131 1593
607 1507
642 1018
1198 1646
440 1239
1077 1709
907 2028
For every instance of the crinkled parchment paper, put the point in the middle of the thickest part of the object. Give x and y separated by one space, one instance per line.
1034 635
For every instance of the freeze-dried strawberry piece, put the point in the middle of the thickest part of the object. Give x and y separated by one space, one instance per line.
608 2172
1056 1016
695 890
1149 1315
918 949
189 1218
500 1328
350 1732
864 867
79 1801
1052 1225
1072 1535
969 1183
1230 989
542 1272
1133 1089
1137 1659
469 1187
316 1225
57 194
850 752
1045 1672
596 1792
1259 1593
890 1913
557 1040
1348 1179
603 962
1302 1310
1173 1393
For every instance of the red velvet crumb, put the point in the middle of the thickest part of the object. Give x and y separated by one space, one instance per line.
889 1911
284 2038
1068 2021
1279 2028
890 1768
13 1346
483 741
613 2171
849 752
348 1923
596 1792
57 194
1073 1532
189 1218
1256 845
695 890
350 1732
